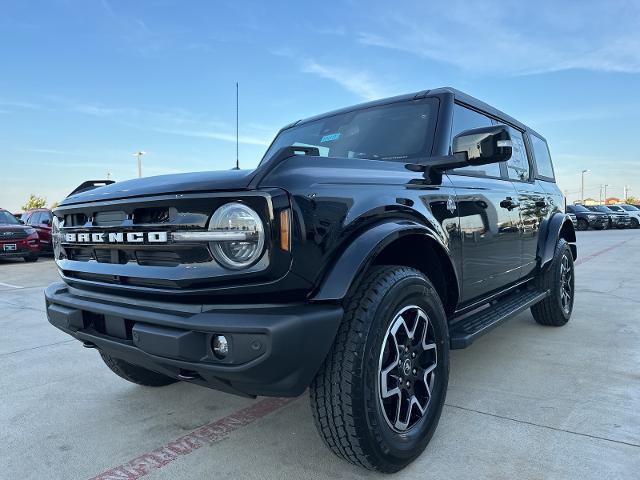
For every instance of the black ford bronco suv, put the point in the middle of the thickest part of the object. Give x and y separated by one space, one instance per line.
367 243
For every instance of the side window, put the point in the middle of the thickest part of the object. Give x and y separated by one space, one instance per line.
35 219
542 157
518 164
466 119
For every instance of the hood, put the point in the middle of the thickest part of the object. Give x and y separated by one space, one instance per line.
166 184
5 227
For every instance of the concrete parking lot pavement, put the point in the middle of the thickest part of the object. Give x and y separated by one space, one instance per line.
525 401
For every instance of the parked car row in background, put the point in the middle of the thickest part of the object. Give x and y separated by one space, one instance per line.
26 236
601 217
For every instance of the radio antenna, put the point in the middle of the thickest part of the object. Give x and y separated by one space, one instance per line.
237 134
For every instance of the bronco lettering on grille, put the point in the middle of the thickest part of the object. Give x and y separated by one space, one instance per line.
116 237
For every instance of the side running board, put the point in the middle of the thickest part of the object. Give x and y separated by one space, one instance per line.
463 332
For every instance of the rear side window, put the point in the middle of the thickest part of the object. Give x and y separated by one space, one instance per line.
542 157
518 164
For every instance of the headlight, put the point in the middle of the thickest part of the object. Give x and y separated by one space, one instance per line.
29 231
237 218
591 217
56 238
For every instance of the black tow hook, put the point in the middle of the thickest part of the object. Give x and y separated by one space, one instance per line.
89 345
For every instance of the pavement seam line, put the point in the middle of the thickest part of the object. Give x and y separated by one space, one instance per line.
39 346
580 261
548 427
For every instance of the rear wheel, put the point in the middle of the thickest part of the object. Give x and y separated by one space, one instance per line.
378 397
31 258
559 280
583 224
136 374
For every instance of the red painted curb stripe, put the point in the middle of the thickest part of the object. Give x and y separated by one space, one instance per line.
594 255
206 435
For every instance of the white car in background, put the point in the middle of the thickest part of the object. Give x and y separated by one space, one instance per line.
632 210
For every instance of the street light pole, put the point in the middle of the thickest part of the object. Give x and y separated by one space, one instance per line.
600 195
139 154
605 192
582 194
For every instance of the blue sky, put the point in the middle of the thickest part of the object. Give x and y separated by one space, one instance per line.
85 83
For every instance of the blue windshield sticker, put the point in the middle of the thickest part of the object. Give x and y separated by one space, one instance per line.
330 138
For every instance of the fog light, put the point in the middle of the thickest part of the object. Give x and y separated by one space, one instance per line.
220 346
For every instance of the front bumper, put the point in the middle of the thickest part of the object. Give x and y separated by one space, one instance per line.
274 350
23 247
599 222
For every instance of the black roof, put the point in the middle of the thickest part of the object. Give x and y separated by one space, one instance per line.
458 95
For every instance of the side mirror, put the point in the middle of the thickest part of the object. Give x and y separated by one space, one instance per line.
21 221
484 145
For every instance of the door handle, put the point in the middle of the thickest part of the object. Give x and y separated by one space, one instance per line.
508 203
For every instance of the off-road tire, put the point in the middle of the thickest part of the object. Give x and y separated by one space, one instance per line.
31 258
135 374
550 311
583 225
345 392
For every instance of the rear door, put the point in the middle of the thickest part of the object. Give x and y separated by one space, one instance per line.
489 218
533 202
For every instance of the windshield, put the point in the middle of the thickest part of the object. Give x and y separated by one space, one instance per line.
630 208
579 208
603 209
7 219
397 131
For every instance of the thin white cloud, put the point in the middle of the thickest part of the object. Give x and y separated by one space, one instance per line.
19 104
48 151
514 37
222 136
358 82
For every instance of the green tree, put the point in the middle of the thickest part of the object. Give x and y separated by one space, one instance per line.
34 202
632 200
54 205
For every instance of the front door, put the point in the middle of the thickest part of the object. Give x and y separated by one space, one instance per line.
489 226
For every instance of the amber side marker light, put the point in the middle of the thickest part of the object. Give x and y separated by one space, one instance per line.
284 230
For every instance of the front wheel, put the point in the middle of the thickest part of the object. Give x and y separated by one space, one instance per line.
583 224
635 223
378 397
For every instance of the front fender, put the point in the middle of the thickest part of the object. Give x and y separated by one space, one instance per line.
357 257
558 226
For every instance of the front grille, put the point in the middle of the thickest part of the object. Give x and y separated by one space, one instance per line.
14 234
109 219
130 243
156 258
